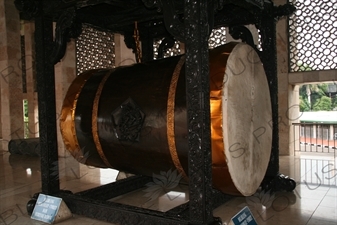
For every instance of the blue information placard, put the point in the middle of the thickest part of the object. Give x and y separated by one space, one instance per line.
244 217
46 208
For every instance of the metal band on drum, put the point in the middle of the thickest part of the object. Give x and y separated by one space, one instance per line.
170 117
94 125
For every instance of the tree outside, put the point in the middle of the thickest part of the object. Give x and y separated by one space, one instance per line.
318 97
25 118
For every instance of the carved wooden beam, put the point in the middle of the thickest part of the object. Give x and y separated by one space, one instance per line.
28 8
166 43
66 27
243 33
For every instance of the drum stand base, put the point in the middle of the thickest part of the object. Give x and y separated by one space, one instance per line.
81 203
94 203
278 183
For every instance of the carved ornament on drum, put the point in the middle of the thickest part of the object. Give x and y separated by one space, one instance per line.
128 120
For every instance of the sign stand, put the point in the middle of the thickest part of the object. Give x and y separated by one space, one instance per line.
50 209
244 217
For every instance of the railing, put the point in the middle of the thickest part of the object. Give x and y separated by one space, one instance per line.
315 173
315 137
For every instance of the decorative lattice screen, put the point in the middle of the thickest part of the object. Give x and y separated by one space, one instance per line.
217 37
312 39
94 49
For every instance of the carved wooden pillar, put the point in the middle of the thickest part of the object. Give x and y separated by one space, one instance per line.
198 110
47 110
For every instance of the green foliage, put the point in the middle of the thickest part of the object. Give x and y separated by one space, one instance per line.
25 110
324 104
304 105
334 103
315 97
303 67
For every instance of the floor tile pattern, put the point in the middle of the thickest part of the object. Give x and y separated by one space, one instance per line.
314 201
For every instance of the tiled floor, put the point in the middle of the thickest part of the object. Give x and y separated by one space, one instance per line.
314 201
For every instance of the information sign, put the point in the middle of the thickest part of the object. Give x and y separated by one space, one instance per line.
46 208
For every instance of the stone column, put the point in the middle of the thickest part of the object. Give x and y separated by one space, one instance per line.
315 132
31 95
331 133
65 73
288 96
10 74
294 115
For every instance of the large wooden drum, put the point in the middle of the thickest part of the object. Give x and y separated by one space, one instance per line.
134 119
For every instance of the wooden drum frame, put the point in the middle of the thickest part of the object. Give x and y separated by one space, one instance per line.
134 119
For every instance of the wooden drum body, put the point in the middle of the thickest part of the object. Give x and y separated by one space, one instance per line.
134 118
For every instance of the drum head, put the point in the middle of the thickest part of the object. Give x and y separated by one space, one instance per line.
247 119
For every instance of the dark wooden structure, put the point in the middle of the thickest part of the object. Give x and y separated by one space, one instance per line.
190 22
